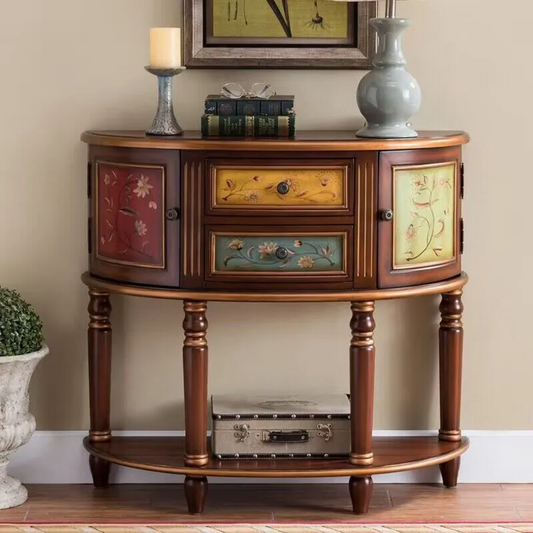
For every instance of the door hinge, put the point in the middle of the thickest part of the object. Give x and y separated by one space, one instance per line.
462 181
89 235
89 175
461 236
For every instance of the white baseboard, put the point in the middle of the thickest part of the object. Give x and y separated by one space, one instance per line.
59 457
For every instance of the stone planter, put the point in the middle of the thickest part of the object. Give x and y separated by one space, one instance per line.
17 424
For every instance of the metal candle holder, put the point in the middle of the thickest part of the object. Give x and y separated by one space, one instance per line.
165 122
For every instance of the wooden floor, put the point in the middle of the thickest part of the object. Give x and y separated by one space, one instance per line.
271 503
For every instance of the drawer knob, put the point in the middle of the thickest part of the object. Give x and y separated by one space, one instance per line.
281 253
387 215
283 187
172 214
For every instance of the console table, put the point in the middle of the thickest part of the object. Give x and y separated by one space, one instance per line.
324 217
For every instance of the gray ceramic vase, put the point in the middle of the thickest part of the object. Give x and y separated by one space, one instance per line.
388 95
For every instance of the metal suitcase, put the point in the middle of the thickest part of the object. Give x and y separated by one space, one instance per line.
252 427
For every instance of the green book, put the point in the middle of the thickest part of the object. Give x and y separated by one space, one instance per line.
273 106
248 126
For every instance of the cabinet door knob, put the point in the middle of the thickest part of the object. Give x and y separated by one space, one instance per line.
172 214
281 253
283 187
387 215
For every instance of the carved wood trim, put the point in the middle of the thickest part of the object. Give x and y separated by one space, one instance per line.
199 199
191 200
365 224
193 187
186 221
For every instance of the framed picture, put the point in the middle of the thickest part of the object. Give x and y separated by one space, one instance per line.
310 34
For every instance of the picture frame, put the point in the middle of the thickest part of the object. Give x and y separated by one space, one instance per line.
202 48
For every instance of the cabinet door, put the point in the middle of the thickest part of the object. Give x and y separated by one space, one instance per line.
419 216
134 215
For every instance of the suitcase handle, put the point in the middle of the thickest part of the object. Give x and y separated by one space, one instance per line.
285 436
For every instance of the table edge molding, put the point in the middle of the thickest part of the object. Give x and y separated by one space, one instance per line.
117 139
440 287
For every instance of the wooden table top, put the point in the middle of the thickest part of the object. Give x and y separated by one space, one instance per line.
303 141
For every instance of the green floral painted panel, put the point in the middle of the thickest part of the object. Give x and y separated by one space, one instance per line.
424 215
283 253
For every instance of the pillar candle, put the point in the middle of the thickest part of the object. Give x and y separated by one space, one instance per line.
165 47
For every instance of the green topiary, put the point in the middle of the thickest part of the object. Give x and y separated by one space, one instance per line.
20 325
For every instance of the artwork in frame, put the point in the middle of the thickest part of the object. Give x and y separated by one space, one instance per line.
311 34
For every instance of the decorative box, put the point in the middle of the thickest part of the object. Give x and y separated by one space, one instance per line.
252 427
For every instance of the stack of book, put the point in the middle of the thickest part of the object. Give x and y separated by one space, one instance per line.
249 117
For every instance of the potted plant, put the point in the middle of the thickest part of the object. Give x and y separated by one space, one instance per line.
21 349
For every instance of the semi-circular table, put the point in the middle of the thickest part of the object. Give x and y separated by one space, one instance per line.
323 217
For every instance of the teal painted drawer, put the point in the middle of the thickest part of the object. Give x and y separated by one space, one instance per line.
289 254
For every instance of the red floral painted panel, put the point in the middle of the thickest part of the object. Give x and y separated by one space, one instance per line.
130 214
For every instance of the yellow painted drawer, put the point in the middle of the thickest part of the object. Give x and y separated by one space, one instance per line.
289 187
288 254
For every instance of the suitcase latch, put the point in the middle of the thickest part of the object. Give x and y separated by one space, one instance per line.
285 436
242 432
325 431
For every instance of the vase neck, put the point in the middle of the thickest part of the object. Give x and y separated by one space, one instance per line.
389 31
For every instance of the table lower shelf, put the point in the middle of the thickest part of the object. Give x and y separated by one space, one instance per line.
165 454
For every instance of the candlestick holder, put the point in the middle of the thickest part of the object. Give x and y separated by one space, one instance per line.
165 122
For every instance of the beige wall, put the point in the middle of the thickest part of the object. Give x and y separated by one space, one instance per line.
71 65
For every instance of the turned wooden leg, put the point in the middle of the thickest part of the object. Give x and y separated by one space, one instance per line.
99 347
195 386
450 370
362 362
450 472
100 470
195 493
361 493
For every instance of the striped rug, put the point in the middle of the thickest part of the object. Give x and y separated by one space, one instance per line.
459 527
